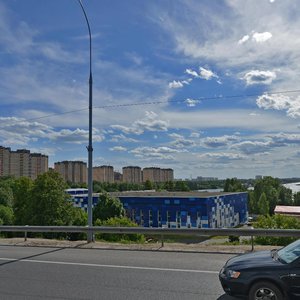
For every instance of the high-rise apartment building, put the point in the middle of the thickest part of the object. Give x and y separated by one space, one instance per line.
4 161
118 177
103 174
38 164
167 174
132 174
72 171
157 174
151 174
22 163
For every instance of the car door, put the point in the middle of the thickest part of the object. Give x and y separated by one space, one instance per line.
291 277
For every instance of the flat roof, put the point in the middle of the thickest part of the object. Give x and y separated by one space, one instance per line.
287 209
170 194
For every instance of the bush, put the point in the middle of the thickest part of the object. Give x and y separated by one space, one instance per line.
276 222
117 222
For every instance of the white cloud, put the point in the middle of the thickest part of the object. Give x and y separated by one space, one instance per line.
253 147
118 149
215 142
280 102
182 143
236 119
244 39
259 77
285 139
157 153
191 102
175 84
176 136
221 156
195 135
149 123
192 72
122 138
261 37
77 136
207 74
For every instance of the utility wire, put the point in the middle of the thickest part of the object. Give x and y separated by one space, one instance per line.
150 103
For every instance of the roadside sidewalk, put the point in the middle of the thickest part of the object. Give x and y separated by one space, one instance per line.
207 246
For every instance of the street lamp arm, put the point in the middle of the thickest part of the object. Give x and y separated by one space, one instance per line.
90 35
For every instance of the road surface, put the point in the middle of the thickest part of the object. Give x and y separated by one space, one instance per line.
67 273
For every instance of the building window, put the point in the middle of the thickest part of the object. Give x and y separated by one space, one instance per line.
141 218
150 218
178 219
168 219
159 218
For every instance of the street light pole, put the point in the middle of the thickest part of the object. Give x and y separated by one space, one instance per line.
90 236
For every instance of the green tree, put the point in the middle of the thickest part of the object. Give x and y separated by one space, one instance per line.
22 197
263 205
234 185
6 215
270 186
148 185
107 207
285 196
181 186
49 203
79 218
6 195
252 204
297 199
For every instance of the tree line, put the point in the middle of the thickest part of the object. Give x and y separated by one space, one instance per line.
44 201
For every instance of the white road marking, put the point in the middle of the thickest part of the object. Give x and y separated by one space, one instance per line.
106 266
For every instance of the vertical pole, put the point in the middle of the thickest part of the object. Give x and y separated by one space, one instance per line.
90 235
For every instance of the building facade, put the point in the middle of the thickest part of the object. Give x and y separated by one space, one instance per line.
4 161
118 177
167 175
177 210
103 174
157 174
21 163
185 210
72 171
132 174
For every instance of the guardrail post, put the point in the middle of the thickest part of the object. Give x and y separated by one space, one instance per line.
162 241
252 241
25 234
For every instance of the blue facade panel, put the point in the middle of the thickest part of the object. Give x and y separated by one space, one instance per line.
183 212
224 210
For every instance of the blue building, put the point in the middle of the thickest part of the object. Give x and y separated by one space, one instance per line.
185 210
179 209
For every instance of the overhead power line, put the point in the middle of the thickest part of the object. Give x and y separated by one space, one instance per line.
151 103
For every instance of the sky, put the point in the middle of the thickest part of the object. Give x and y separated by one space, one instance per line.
208 88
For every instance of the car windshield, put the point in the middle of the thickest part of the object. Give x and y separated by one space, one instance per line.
290 253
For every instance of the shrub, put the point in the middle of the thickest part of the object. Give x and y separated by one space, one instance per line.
116 222
276 222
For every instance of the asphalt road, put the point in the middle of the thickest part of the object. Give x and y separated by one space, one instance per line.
65 273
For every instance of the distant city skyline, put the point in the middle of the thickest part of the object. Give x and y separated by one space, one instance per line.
207 88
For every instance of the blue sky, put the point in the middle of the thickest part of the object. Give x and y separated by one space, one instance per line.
208 88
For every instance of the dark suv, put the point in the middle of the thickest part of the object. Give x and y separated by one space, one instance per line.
264 275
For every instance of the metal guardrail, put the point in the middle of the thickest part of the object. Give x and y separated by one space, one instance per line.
251 232
157 231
